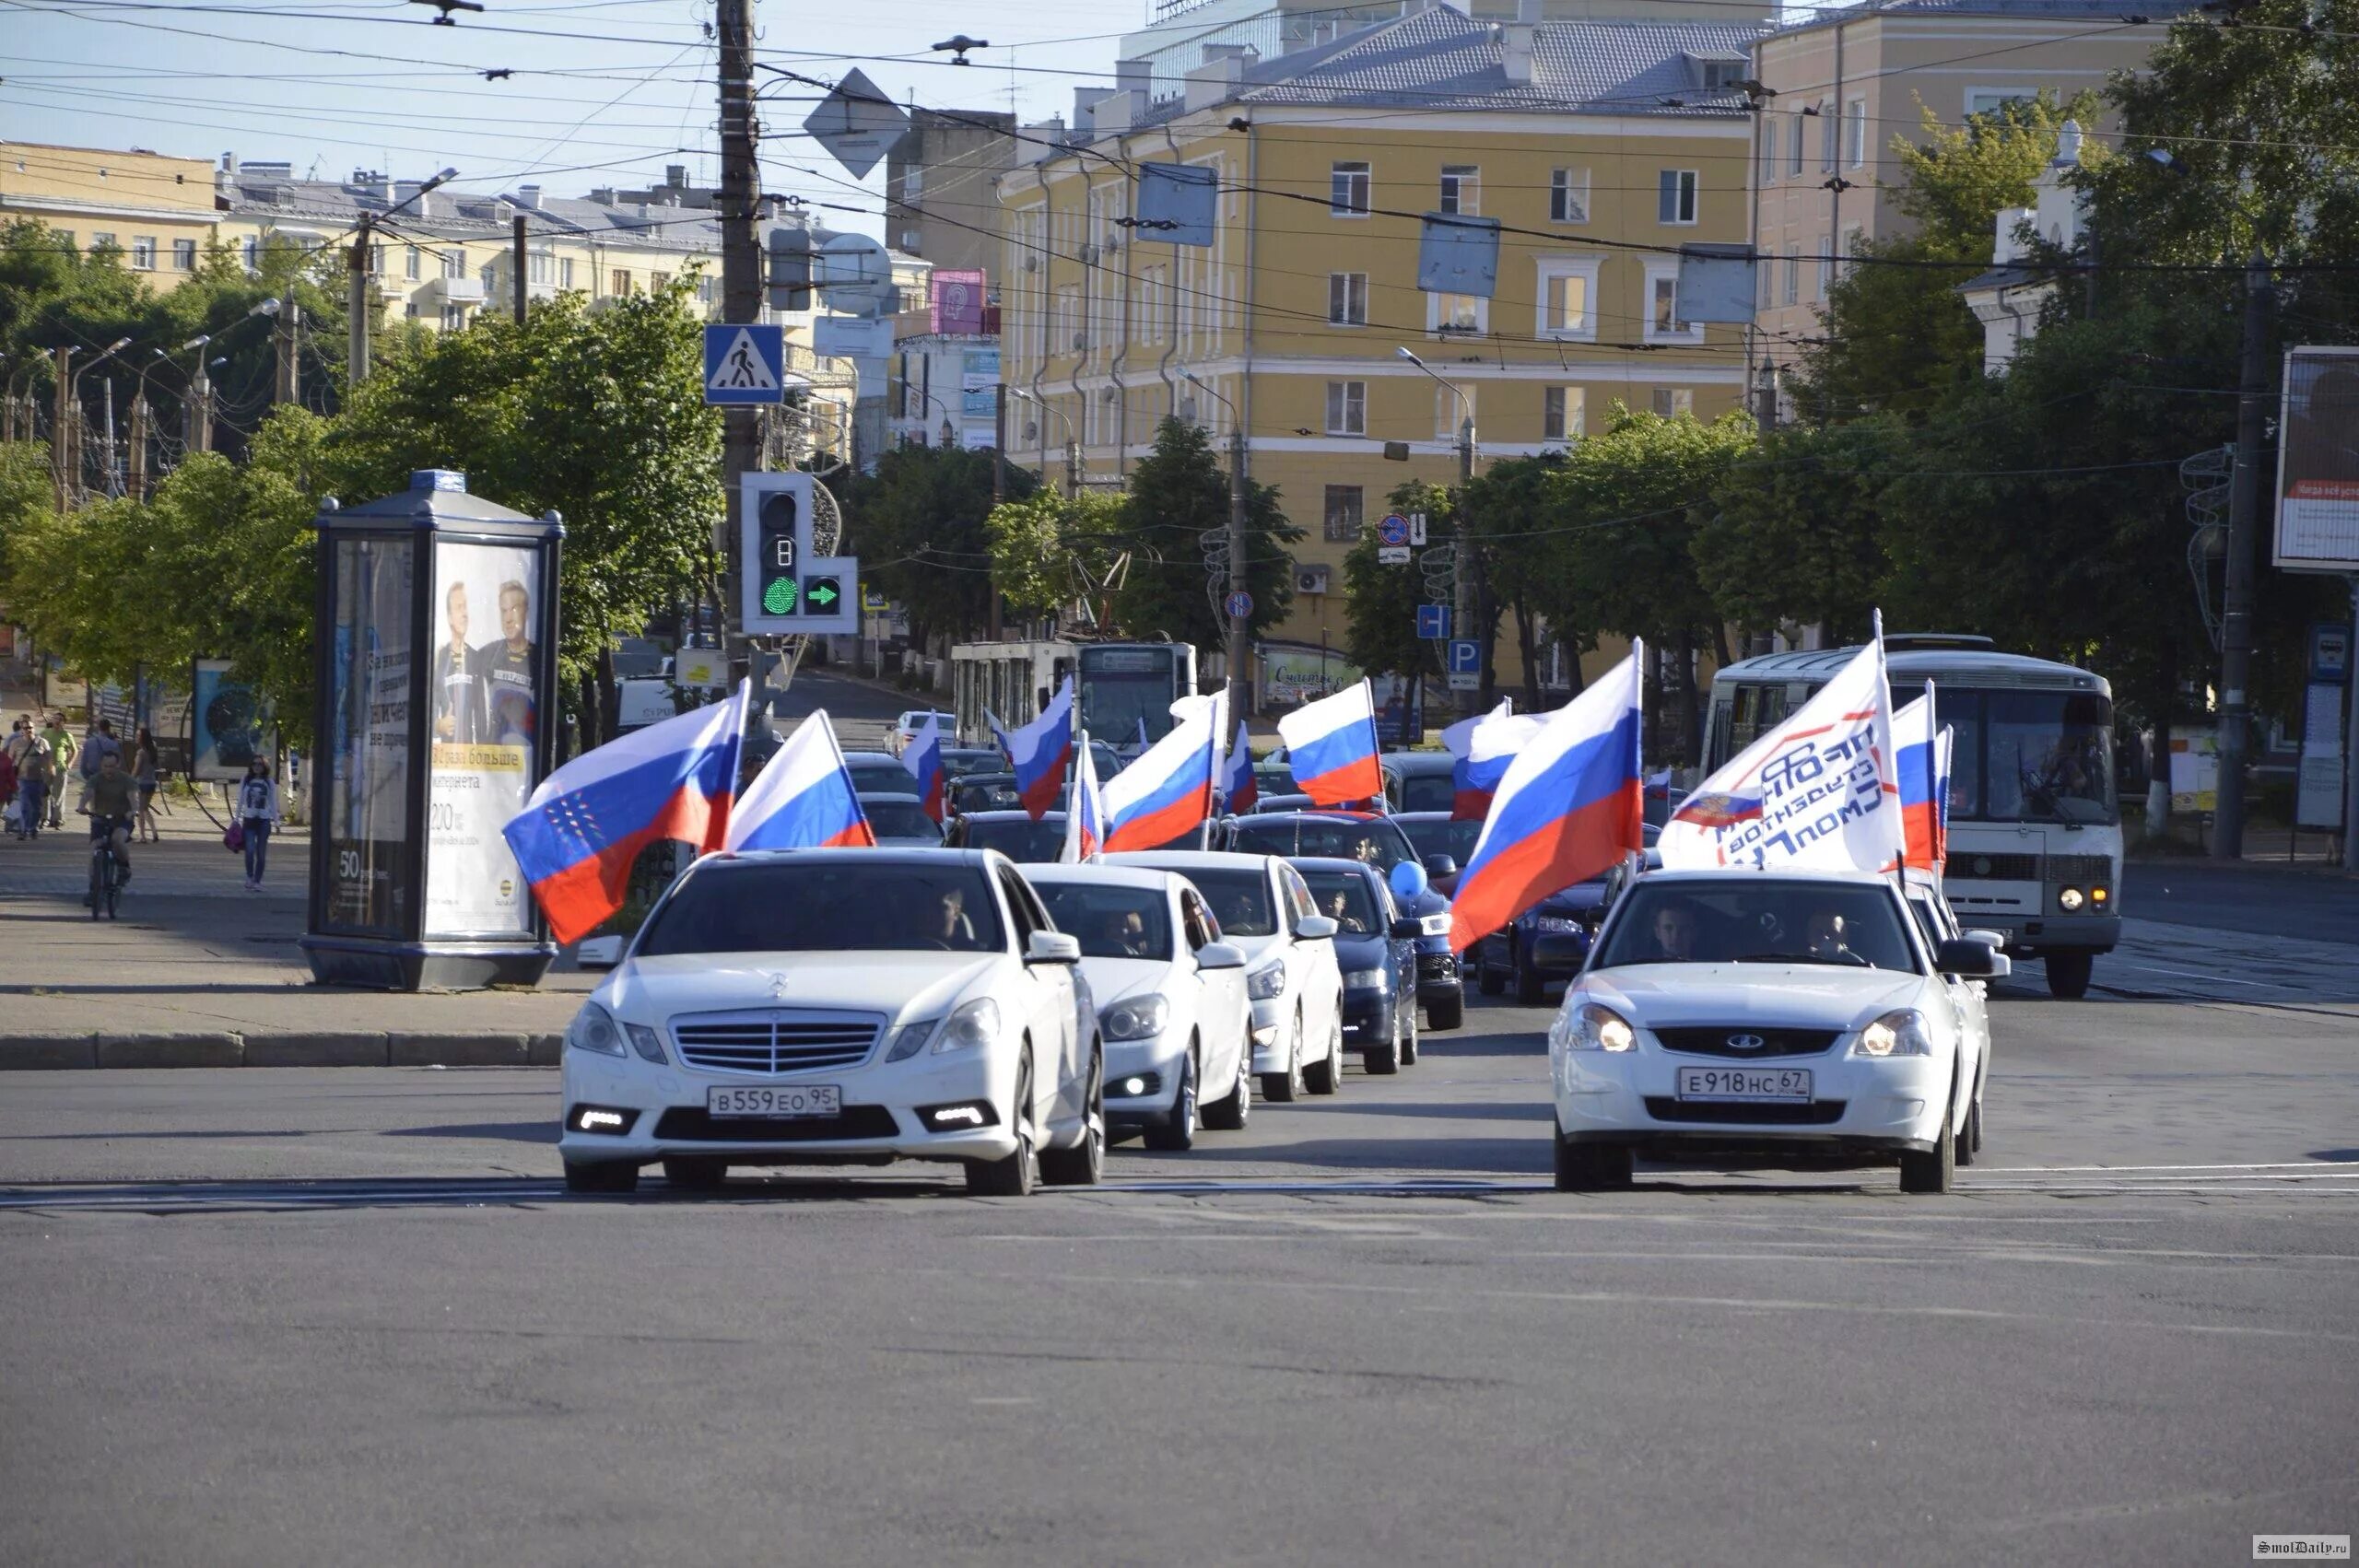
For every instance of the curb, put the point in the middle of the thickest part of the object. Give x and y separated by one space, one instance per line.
49 1053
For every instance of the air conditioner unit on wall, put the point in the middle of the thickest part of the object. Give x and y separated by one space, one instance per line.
1031 263
1311 579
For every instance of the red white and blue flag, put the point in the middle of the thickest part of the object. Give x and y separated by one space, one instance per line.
1569 805
1331 747
1917 761
804 798
1085 814
1238 788
1040 751
1482 748
1168 790
579 834
922 757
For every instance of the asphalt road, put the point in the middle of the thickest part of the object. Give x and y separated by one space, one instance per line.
300 1316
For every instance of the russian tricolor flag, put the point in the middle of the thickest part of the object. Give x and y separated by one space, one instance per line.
924 759
1569 806
1040 751
1238 788
804 798
1916 762
1085 818
1482 748
578 835
1168 790
1331 747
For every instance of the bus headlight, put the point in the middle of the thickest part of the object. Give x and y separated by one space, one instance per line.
2070 900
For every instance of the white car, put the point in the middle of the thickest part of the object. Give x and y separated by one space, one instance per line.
1170 994
905 728
1264 906
1756 1017
839 1007
1939 923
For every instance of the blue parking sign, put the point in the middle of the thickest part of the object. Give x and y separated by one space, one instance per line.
1465 656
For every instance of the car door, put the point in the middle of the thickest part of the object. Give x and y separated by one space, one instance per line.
1313 963
1401 950
1048 1008
1968 1014
1973 996
1224 1017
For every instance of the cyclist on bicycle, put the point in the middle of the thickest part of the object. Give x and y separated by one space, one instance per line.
114 798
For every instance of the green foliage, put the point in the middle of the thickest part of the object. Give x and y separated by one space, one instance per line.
1380 601
1179 494
1046 548
917 525
1795 532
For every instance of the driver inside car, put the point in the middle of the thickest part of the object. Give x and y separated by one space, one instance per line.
1674 933
953 931
1826 937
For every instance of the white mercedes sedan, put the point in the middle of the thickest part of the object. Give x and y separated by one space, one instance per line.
839 1007
1767 1018
1170 994
1264 906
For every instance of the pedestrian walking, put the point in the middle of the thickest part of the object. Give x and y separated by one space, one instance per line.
35 771
257 815
61 756
21 736
11 809
145 775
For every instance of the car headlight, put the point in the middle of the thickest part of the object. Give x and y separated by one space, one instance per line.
1267 984
909 1038
975 1023
1903 1033
594 1029
1136 1019
646 1042
1591 1027
1435 925
2070 900
1364 980
1555 925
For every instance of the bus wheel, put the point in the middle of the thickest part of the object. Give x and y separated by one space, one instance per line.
2067 975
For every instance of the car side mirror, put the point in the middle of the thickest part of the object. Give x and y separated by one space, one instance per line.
599 952
1971 959
1408 927
1998 940
1220 956
1314 928
1052 947
1441 865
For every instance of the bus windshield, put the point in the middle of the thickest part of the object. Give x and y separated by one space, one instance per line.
1120 687
2029 755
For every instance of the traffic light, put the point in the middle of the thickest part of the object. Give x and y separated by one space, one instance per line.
774 549
775 582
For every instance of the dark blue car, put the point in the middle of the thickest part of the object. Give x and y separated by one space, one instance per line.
1548 942
1376 948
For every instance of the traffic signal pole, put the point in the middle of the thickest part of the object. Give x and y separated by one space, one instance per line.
2244 524
740 304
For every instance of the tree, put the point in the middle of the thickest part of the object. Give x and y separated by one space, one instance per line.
1795 532
1049 551
1380 601
917 525
1503 512
1178 498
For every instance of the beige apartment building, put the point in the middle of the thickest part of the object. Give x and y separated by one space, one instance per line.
157 212
1844 85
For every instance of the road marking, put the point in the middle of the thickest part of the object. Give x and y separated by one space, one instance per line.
2349 1166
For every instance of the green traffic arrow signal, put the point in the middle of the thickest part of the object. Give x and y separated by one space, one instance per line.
822 593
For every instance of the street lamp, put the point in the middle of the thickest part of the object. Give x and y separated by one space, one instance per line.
1462 596
1072 445
1237 610
74 400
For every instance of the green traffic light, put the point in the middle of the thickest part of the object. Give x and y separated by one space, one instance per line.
778 598
823 592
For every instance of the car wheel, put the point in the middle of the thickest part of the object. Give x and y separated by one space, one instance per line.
601 1176
1448 1014
1281 1088
1529 989
1592 1167
697 1172
1081 1165
1384 1061
1409 1036
1010 1177
1931 1171
1325 1076
1973 1122
2067 975
1230 1113
1489 981
1179 1135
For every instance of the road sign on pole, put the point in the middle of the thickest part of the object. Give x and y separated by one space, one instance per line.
743 364
1394 530
857 123
1239 605
1392 554
1417 528
1433 623
1465 664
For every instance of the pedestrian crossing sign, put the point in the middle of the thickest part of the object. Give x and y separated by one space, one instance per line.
744 363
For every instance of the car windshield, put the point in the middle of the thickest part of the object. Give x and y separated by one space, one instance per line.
1344 899
1240 899
959 761
1428 793
1111 921
1758 920
988 792
1375 841
1443 836
2028 756
900 819
1019 837
880 779
830 906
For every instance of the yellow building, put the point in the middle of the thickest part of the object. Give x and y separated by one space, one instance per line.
157 212
1600 147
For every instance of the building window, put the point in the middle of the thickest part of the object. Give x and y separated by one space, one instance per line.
1562 414
101 242
184 256
1673 403
1462 188
1793 274
1452 405
565 276
1768 149
1987 100
1457 315
1802 135
455 264
1855 132
249 253
1568 298
1568 195
537 267
1067 336
1826 135
620 284
1676 196
1344 513
1347 298
659 282
143 252
1825 270
1850 248
1347 190
410 263
376 260
1663 323
1347 408
453 317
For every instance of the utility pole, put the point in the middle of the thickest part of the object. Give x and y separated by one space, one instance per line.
355 307
138 486
61 433
109 472
516 243
198 410
1461 613
741 295
1764 399
999 478
288 339
1239 626
2244 520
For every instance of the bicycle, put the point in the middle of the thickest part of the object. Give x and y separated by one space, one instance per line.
106 880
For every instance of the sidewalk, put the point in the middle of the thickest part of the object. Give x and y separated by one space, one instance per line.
199 972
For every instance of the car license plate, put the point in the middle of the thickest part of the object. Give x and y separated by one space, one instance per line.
1743 1083
798 1100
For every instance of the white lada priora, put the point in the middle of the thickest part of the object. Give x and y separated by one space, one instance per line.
1765 1017
839 1007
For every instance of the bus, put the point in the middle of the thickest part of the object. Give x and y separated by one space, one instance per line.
2035 841
1115 685
1010 680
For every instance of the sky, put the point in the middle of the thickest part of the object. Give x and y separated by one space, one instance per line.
604 92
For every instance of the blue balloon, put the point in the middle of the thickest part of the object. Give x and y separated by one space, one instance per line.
1409 880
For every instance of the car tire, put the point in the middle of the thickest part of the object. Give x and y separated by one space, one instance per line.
601 1175
1012 1175
1592 1167
1230 1113
1934 1171
1409 1039
1448 1014
1487 980
1531 991
1384 1061
1973 1122
1081 1165
696 1173
1178 1135
2067 975
1969 1142
1283 1088
1325 1076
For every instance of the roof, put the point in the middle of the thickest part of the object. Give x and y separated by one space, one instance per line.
1844 875
1100 872
1191 860
1332 863
463 215
1980 666
2057 10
